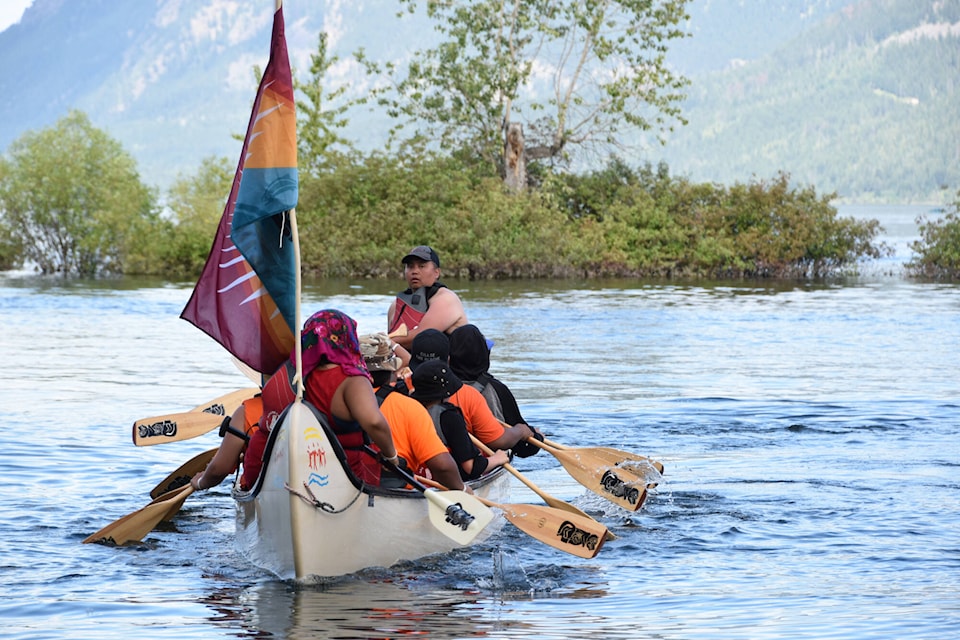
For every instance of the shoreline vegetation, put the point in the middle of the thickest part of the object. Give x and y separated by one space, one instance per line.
71 202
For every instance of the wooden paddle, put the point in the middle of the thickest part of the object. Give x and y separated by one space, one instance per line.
560 529
252 374
201 419
226 404
556 503
456 514
134 526
616 484
631 461
173 427
184 473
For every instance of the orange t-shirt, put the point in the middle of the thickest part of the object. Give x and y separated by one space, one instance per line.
480 420
413 432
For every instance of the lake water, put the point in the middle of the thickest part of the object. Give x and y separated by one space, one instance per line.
809 432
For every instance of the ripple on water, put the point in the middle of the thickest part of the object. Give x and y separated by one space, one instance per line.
810 444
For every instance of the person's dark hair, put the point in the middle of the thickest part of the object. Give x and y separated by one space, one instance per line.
380 378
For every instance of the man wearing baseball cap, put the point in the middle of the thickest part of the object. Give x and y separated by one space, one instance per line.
427 303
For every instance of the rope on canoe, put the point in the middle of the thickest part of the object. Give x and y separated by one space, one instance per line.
319 504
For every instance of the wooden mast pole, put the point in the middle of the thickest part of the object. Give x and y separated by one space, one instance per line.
298 314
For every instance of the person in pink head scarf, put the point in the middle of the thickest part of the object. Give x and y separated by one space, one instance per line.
338 384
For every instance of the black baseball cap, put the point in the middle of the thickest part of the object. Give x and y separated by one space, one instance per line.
429 344
423 252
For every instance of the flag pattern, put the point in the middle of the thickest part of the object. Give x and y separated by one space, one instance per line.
245 298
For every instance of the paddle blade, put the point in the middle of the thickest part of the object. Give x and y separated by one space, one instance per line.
134 526
252 374
573 534
184 473
189 424
621 488
649 470
226 404
457 514
173 428
550 500
616 484
633 462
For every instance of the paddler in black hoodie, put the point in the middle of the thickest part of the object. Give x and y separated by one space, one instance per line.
470 361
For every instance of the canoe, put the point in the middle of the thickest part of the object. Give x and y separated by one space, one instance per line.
308 515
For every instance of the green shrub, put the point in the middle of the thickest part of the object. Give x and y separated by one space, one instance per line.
361 215
938 249
771 229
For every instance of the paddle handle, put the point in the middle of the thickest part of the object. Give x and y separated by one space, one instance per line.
403 473
456 514
546 497
487 451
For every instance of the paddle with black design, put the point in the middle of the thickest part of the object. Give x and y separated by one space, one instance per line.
633 462
201 419
184 473
616 484
560 529
134 526
456 514
168 497
551 501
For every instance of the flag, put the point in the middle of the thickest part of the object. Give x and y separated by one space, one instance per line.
245 298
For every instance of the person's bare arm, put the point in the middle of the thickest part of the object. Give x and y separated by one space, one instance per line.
498 458
361 404
390 313
226 459
444 314
404 355
444 470
511 436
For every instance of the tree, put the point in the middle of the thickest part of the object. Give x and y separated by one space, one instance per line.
938 249
317 119
581 74
197 203
11 245
73 198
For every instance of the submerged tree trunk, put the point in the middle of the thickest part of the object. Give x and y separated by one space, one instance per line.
514 161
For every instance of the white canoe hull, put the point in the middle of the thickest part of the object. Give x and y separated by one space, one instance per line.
333 527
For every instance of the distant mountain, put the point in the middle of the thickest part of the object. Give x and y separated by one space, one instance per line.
822 88
865 103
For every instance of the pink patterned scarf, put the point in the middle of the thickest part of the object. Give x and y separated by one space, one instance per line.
330 336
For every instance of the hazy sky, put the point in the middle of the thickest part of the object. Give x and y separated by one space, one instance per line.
11 10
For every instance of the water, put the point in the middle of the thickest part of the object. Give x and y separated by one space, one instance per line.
809 434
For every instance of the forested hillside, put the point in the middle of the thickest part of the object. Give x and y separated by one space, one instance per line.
861 99
866 103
